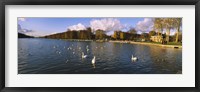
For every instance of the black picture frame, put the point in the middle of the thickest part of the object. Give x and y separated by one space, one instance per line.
99 2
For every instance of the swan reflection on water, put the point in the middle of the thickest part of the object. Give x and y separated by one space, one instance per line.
93 66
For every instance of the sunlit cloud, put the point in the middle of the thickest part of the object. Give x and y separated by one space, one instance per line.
77 27
21 30
106 24
30 32
53 33
145 26
22 19
36 33
19 27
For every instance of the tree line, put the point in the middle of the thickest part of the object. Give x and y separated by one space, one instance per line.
162 27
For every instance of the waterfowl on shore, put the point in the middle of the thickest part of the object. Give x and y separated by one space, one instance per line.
133 58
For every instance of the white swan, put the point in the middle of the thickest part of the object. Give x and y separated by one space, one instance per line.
133 58
93 60
83 56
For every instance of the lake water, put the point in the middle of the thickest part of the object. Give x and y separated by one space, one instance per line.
52 56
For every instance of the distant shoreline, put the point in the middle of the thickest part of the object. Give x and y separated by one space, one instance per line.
145 43
131 42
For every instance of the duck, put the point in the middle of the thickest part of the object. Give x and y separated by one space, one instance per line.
83 56
133 58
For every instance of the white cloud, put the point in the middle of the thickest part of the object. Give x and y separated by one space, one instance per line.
107 24
145 26
22 19
29 32
21 30
26 30
77 27
53 33
19 27
36 33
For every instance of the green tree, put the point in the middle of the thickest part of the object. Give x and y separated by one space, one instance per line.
99 34
89 32
152 33
133 31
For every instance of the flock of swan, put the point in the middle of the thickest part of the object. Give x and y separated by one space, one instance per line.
83 55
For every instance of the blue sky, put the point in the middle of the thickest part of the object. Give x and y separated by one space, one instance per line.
45 26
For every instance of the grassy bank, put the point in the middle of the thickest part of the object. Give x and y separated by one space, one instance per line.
170 44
